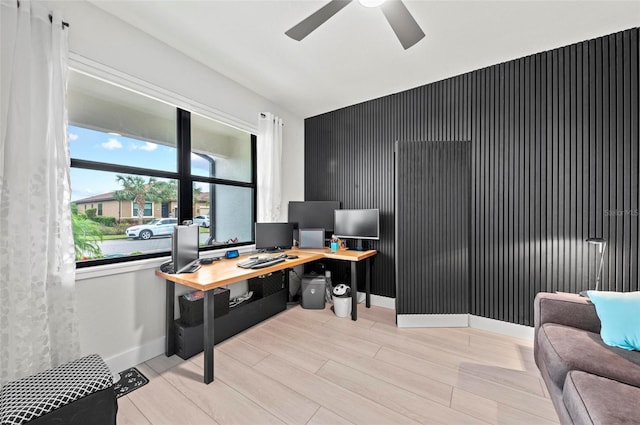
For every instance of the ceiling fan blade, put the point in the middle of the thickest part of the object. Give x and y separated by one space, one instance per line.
306 26
406 28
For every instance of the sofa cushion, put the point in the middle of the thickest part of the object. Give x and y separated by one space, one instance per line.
619 313
593 399
564 348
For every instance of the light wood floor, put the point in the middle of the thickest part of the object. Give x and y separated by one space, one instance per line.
311 367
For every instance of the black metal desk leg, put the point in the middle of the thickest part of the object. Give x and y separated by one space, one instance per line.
367 278
287 283
208 336
354 291
169 331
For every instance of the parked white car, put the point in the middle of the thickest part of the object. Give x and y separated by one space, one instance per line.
156 227
201 220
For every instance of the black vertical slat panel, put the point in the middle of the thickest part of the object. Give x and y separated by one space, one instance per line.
554 160
634 137
555 216
595 151
546 169
494 150
536 130
621 185
523 209
432 180
606 145
578 170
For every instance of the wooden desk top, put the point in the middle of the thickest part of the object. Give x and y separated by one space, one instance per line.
341 254
225 272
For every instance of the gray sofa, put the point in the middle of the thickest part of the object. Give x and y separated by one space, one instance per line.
589 382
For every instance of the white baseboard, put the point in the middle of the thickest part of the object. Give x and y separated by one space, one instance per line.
433 320
135 356
498 326
462 321
380 301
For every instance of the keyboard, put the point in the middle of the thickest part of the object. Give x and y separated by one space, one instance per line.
260 263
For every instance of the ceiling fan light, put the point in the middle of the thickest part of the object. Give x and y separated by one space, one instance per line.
371 3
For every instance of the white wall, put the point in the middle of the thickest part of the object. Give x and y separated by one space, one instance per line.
122 315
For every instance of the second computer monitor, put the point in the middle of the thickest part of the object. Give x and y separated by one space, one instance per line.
358 225
185 244
311 238
313 214
274 237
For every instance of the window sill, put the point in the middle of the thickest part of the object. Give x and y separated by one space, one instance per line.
87 273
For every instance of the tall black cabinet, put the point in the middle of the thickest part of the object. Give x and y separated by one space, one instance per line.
433 216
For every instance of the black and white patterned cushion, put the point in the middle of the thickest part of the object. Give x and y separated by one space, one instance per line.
39 394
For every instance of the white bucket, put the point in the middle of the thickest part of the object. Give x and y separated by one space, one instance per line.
341 306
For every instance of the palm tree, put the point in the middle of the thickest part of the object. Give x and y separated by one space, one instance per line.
86 237
135 189
166 191
196 193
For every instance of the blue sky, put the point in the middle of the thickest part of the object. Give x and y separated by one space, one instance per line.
110 148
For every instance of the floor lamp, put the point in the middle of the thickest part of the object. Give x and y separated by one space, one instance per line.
602 245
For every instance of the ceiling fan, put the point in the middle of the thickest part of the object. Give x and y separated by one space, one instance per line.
406 28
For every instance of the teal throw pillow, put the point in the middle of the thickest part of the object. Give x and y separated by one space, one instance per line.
619 314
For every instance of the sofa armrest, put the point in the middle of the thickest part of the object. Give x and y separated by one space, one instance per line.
565 309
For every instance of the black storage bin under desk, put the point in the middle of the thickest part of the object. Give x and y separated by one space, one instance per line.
192 312
189 339
268 284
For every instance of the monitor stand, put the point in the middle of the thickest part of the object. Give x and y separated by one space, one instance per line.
359 245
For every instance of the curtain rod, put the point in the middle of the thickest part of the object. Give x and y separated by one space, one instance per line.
64 24
262 115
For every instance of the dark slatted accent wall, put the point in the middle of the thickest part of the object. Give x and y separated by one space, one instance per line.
555 154
555 145
349 154
432 224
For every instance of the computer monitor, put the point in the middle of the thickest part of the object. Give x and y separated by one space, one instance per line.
185 244
274 237
357 224
313 214
311 238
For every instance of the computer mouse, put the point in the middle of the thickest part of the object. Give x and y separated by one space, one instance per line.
291 257
207 260
283 256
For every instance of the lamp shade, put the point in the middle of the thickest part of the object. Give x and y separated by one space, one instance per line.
596 241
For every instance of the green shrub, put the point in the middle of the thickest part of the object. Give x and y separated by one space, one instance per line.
86 235
105 220
116 229
133 221
90 213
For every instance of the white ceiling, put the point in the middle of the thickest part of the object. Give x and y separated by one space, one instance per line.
355 56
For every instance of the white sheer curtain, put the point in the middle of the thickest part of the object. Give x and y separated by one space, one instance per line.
38 322
269 167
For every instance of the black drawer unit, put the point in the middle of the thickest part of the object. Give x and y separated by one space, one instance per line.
189 339
192 312
268 284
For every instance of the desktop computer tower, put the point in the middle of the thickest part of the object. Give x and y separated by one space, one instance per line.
313 291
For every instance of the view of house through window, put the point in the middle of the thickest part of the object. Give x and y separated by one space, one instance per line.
124 176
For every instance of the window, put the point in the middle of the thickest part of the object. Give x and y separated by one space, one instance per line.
147 211
134 158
